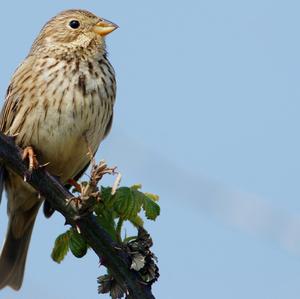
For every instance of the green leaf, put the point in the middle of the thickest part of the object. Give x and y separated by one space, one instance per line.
151 208
77 244
106 196
137 221
126 204
105 193
106 220
61 247
154 197
136 187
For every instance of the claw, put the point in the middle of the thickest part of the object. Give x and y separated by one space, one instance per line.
29 154
44 165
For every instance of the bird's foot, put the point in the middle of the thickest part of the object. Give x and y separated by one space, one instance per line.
28 153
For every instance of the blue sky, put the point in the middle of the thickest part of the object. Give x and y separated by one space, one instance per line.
207 116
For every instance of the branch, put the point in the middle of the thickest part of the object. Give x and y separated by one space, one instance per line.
117 261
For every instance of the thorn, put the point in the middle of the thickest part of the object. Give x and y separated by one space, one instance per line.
44 165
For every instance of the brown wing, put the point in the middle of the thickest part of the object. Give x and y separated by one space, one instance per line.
15 93
5 122
5 116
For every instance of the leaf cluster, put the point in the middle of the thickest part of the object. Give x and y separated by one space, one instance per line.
112 210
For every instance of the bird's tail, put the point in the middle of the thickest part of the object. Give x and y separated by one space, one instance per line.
14 251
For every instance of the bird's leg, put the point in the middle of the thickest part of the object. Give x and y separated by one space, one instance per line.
28 153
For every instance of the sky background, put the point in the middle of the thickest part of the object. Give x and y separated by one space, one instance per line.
207 116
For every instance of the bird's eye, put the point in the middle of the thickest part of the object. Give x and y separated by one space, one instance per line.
74 24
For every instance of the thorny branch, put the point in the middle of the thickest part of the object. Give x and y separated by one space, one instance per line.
117 261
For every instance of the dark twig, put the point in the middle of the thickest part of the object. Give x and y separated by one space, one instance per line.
117 261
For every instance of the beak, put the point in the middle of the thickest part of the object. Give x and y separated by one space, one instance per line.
104 27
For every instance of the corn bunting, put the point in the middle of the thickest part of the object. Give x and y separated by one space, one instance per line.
59 107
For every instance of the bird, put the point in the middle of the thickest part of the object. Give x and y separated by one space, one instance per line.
59 107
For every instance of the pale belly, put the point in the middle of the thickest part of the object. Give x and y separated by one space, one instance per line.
66 139
64 119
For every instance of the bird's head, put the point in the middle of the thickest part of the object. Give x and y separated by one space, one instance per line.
73 29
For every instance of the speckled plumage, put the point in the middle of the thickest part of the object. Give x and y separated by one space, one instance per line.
60 102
